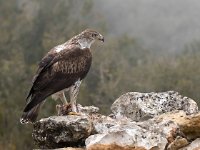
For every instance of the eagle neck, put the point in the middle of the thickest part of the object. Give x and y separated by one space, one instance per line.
81 42
85 43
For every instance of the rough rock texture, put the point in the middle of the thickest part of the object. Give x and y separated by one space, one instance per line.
62 131
195 145
158 125
154 133
114 147
88 109
69 148
64 110
142 106
188 124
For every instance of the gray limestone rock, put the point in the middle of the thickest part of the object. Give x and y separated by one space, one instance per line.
88 109
142 106
156 121
62 131
149 134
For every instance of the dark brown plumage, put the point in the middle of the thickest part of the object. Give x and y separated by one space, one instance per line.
62 68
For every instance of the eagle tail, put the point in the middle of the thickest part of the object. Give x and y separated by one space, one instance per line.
31 115
32 108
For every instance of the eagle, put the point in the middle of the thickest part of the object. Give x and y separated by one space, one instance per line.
61 69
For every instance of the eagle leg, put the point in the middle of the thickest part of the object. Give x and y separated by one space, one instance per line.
63 98
65 107
73 95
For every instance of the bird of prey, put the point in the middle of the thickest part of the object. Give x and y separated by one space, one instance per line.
61 69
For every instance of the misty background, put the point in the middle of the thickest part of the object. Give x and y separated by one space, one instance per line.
161 25
150 46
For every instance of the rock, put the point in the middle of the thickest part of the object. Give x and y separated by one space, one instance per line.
172 130
155 121
114 147
62 131
64 110
88 109
103 123
178 143
142 106
189 124
195 145
70 148
153 133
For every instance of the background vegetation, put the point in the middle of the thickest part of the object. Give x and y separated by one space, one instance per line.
29 29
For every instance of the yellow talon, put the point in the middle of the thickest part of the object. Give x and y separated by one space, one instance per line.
74 113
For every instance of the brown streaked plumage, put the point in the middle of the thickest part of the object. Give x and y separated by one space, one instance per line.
62 69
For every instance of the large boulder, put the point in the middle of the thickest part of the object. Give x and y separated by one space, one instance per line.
142 106
167 121
153 133
62 131
172 130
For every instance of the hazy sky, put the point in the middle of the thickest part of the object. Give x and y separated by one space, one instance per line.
161 24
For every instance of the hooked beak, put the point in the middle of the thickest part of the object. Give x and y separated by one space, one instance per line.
101 38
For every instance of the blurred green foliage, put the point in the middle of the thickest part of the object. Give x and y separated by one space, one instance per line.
29 29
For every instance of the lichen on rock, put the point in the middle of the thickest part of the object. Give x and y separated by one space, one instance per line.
62 131
142 106
156 121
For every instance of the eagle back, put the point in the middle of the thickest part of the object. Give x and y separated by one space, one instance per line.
75 63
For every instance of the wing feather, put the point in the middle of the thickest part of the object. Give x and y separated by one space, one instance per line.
59 71
41 66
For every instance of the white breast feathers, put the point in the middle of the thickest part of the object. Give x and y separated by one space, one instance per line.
85 43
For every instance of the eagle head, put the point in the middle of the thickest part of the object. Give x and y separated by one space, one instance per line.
87 37
92 35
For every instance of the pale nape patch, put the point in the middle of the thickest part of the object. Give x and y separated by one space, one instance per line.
59 48
62 47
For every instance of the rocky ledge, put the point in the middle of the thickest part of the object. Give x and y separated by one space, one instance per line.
139 121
